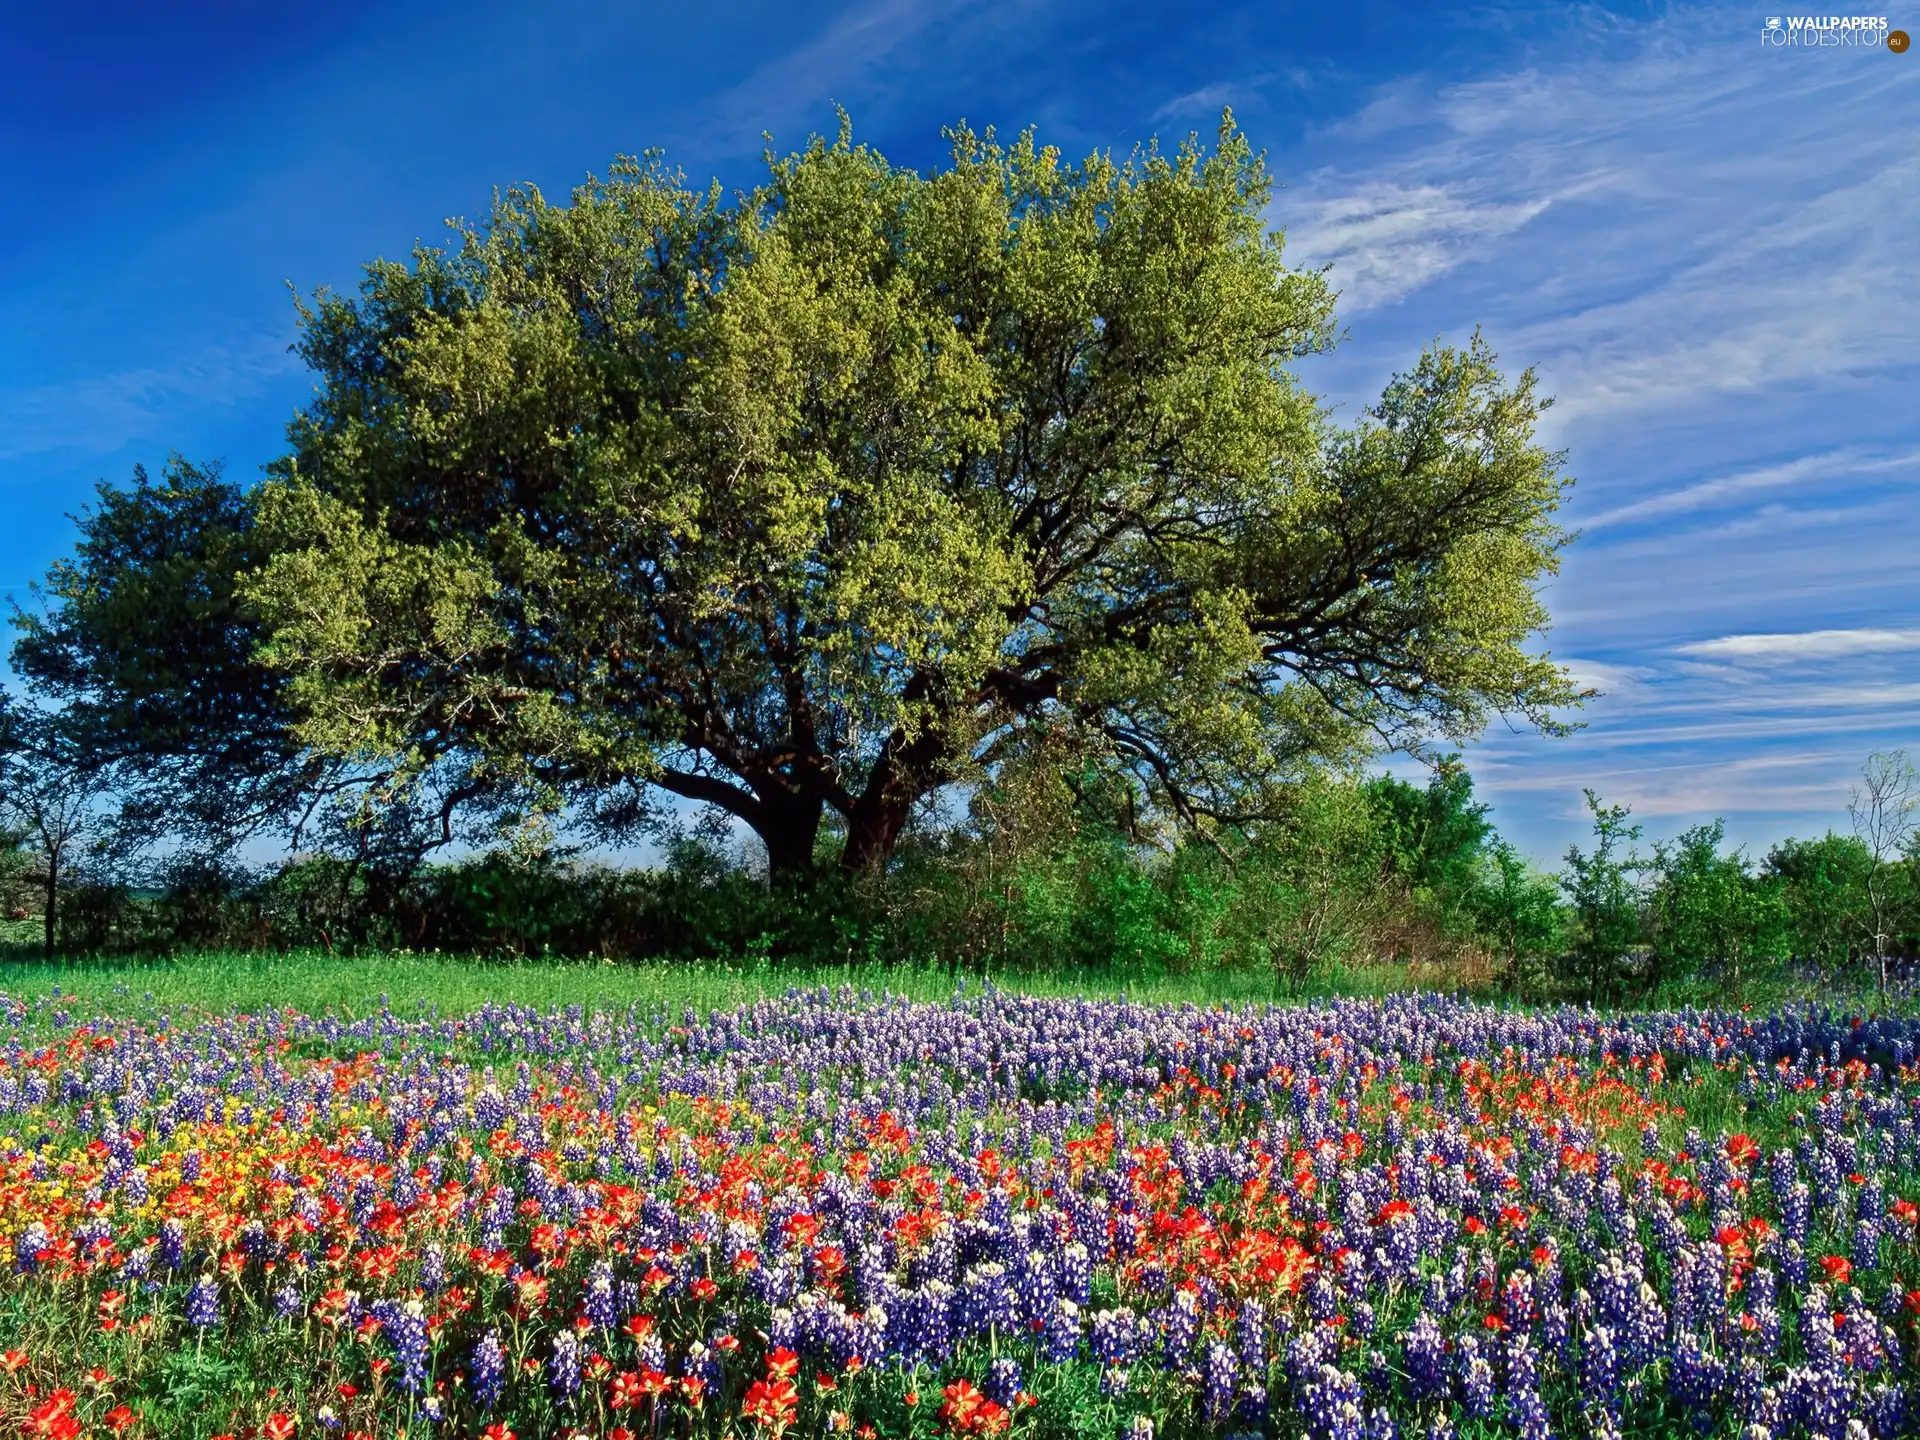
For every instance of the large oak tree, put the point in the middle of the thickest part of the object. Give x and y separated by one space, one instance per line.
812 500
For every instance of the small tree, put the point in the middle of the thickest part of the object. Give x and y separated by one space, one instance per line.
1708 907
1517 912
1319 872
1821 883
1885 810
1436 837
1604 889
138 643
50 801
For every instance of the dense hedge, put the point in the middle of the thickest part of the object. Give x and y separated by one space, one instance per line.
1375 872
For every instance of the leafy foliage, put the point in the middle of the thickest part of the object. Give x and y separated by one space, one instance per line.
1516 913
1437 836
142 655
1603 890
145 650
1822 881
1708 907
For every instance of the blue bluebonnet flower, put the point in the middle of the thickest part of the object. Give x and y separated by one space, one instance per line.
171 1247
1600 1369
26 1250
487 1369
1475 1373
1003 1382
1179 1328
1250 1338
1426 1359
1060 1341
1332 1405
1219 1376
1525 1408
405 1328
203 1303
600 1300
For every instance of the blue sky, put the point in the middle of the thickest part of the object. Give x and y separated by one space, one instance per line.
1706 246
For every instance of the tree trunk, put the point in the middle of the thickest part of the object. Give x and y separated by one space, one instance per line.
872 832
53 898
788 826
905 770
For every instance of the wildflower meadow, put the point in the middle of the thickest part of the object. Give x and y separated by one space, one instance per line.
852 1213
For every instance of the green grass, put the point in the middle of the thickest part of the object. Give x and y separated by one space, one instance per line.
248 982
240 982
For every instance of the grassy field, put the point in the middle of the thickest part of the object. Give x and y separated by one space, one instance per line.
249 982
405 982
409 984
194 988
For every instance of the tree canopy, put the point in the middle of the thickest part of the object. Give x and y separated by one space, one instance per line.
809 501
144 660
146 650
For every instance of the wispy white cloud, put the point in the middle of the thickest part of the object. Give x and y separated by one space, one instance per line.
98 414
1208 99
1206 102
1842 464
1704 241
1386 240
1803 785
1804 645
1671 584
1774 521
853 52
1704 740
1615 681
1743 692
1802 298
